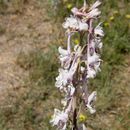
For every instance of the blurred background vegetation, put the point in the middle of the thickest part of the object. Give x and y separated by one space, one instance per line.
30 106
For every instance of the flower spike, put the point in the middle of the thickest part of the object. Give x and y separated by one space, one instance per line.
79 63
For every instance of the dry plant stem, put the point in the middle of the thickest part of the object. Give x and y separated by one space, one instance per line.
68 46
85 89
89 38
75 127
85 4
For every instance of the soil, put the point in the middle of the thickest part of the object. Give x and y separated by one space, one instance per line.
21 32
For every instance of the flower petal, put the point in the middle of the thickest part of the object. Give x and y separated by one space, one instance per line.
83 26
98 31
95 5
91 98
94 13
62 51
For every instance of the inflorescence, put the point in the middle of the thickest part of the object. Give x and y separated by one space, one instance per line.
79 63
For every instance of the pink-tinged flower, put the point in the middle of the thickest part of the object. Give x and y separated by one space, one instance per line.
98 31
93 13
74 10
59 119
99 45
86 15
91 73
71 22
95 44
65 76
71 89
98 42
93 65
83 26
77 12
65 57
91 98
78 64
94 58
62 51
82 69
62 78
95 5
64 102
75 24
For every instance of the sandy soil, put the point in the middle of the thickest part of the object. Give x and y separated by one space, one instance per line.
21 32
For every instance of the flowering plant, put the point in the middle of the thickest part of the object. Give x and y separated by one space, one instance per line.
79 63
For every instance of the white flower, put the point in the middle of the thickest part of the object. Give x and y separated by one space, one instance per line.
77 50
78 63
93 13
71 22
93 59
62 78
77 12
65 57
92 110
64 102
95 5
99 45
62 51
66 76
74 10
91 98
84 127
91 73
98 30
71 89
75 24
83 26
82 69
59 119
93 65
97 42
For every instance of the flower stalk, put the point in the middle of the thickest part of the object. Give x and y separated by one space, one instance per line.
79 63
